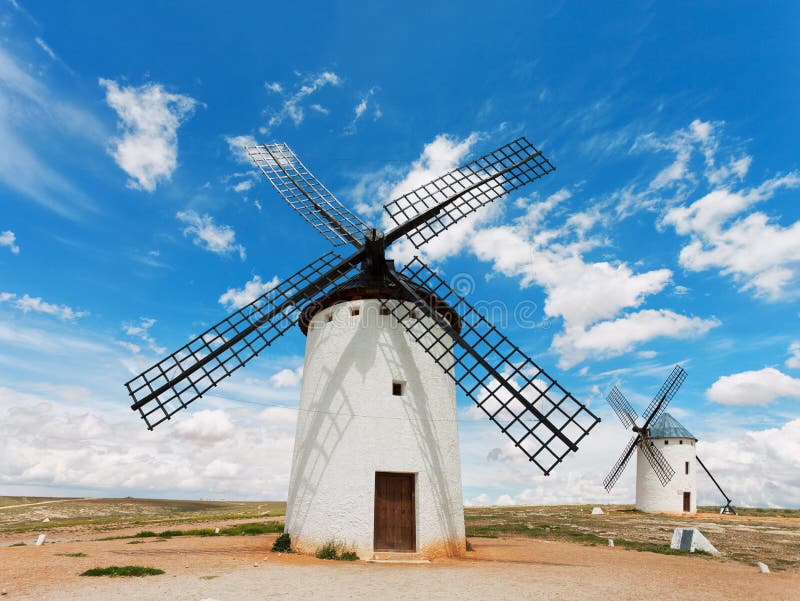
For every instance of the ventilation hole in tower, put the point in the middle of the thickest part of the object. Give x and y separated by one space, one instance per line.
666 442
680 442
384 310
355 311
398 388
329 316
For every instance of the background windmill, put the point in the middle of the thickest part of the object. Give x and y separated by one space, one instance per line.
663 442
376 461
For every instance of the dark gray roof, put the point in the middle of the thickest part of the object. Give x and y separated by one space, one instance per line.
667 426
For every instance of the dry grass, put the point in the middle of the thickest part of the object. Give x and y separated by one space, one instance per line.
771 536
102 514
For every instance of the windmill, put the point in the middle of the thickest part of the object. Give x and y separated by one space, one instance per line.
663 442
376 462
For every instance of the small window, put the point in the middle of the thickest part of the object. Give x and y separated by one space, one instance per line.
666 442
680 442
384 310
329 316
398 388
355 311
687 467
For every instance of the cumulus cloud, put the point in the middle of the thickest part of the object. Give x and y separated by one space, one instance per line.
149 120
28 304
292 107
207 427
7 238
237 146
617 336
287 378
755 250
219 239
546 245
760 387
236 298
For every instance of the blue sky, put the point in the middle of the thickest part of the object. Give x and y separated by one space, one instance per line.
670 232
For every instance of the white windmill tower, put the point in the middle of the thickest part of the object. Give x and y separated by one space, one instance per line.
376 459
661 443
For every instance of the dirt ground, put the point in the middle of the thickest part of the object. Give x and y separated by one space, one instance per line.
240 568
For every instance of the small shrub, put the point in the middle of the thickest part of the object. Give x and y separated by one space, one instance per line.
18 545
282 544
115 571
327 551
335 551
72 554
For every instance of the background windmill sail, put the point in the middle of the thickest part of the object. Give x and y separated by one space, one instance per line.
641 439
542 419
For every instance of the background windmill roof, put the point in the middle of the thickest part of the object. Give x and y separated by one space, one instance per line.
667 426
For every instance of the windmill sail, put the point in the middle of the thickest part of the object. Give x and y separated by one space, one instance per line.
665 394
307 195
181 378
540 417
426 212
625 412
621 463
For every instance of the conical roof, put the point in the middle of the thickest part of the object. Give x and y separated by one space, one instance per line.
667 426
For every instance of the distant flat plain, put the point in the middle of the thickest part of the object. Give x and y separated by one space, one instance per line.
563 546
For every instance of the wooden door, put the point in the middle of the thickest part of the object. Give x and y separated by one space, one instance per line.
395 524
687 501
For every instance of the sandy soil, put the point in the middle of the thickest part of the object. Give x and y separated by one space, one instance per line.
239 568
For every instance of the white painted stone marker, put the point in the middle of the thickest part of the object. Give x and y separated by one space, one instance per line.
691 539
216 530
46 520
763 568
610 542
40 540
597 511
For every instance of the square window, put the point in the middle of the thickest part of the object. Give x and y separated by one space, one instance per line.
680 442
329 316
355 311
384 310
398 388
666 442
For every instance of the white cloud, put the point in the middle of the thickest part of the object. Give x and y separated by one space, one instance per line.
292 107
753 249
794 355
220 239
141 330
760 387
287 378
7 238
360 110
47 50
149 120
206 427
40 129
544 246
618 336
238 146
236 298
28 304
320 109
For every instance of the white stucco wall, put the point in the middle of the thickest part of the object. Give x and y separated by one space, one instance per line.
651 496
351 426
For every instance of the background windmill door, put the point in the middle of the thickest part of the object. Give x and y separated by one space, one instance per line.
687 501
395 527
